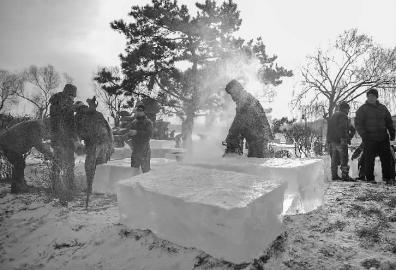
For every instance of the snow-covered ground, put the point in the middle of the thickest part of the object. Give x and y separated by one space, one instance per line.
354 229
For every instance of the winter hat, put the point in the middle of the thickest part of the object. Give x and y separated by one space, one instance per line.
92 102
70 90
79 106
140 106
233 84
372 92
344 105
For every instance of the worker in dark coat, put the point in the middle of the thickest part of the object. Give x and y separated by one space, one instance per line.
63 137
93 128
339 134
19 140
140 130
250 122
374 124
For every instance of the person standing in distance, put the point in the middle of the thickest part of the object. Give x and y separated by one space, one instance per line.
374 124
140 131
339 134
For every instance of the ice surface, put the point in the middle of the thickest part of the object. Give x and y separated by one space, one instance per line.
305 178
163 148
229 215
159 148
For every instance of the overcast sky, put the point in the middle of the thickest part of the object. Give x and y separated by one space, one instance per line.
75 36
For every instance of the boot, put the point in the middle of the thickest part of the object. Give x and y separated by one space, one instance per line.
372 181
17 187
347 178
389 182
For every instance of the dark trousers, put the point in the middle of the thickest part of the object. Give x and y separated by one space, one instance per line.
339 156
392 166
18 171
371 150
258 148
140 157
63 163
361 162
90 164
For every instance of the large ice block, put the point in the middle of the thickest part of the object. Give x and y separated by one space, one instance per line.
305 178
162 144
159 148
122 152
229 215
162 148
107 175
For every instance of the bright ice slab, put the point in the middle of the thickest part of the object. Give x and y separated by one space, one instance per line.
229 215
107 175
305 178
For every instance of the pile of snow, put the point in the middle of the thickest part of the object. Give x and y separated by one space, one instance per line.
305 178
229 215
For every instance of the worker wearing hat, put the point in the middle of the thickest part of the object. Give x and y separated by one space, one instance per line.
141 130
374 124
63 139
339 134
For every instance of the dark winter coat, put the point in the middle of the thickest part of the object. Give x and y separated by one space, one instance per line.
144 128
373 122
93 128
250 120
21 137
339 127
62 117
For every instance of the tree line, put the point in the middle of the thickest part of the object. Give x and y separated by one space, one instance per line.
345 71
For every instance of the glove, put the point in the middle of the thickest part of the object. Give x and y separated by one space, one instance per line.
392 137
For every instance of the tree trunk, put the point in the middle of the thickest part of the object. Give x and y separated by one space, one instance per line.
40 113
332 106
116 121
